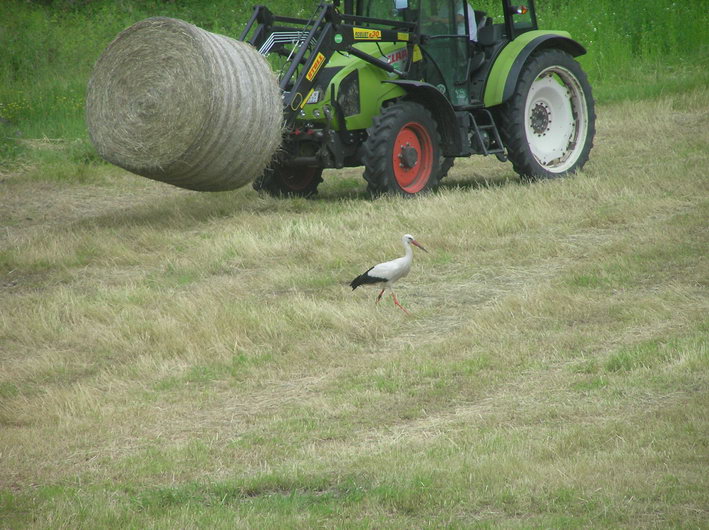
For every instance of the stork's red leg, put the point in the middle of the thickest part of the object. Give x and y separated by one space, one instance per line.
398 304
380 296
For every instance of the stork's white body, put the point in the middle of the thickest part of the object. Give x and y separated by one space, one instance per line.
384 275
393 270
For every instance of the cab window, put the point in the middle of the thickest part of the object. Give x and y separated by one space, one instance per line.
385 9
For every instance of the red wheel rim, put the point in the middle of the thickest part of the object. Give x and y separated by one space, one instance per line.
412 157
298 179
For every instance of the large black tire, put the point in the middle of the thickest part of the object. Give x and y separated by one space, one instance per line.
290 181
402 151
549 123
444 166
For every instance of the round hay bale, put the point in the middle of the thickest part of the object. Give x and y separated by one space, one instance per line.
172 102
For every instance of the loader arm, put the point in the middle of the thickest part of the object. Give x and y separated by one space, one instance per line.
314 41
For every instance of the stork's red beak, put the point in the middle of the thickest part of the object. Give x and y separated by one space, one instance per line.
414 242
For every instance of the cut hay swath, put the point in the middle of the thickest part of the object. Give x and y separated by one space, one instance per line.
175 103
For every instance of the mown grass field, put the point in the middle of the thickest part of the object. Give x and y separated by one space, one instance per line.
172 359
175 359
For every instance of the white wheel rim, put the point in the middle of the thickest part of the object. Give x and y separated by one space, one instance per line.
556 119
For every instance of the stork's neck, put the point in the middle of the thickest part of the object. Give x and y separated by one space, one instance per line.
409 251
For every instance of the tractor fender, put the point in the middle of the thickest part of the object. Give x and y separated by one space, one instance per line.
444 114
509 63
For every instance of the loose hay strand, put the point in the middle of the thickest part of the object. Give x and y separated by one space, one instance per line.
175 103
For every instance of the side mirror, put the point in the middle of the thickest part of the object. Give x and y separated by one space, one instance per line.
401 4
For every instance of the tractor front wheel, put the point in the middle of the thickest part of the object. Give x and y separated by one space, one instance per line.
290 181
401 154
549 122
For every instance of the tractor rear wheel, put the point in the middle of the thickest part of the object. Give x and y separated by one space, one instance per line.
549 122
444 166
401 153
290 181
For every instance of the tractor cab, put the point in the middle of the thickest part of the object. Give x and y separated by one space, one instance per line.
456 40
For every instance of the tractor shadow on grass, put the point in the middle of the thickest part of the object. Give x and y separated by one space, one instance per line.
164 206
336 188
479 182
185 210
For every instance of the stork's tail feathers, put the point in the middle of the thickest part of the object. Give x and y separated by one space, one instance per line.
365 279
359 280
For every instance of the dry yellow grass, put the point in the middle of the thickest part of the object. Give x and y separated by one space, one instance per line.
174 359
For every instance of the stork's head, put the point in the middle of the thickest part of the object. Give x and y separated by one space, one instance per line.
409 239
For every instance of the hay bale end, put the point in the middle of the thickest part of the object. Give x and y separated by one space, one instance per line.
175 103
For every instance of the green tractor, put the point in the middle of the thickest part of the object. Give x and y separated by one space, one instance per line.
403 87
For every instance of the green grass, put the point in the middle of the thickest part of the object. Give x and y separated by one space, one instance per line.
177 359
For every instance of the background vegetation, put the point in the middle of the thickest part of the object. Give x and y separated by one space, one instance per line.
635 49
171 359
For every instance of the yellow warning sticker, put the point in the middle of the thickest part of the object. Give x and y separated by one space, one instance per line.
402 36
417 53
367 34
317 63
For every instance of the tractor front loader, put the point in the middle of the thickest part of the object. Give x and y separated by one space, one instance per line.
403 87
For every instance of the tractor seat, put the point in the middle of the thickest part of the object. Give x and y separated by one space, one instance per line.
490 34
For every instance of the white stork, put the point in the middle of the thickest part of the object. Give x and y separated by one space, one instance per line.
386 274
